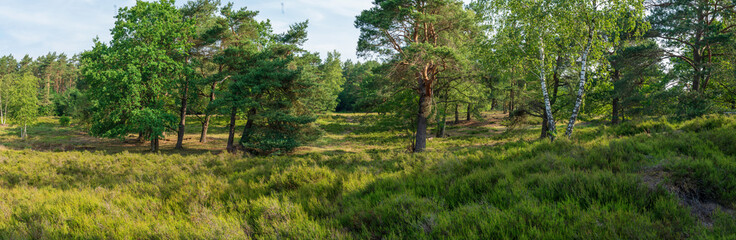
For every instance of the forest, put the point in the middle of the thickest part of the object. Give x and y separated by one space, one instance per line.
484 119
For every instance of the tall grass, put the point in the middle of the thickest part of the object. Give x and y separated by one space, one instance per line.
647 181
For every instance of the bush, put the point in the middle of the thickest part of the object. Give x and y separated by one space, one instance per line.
64 121
280 132
271 218
660 125
657 126
708 122
693 105
626 129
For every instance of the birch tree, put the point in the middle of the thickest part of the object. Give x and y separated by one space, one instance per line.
8 66
23 101
528 25
583 25
6 82
597 18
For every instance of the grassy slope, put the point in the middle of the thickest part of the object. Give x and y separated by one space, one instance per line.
651 180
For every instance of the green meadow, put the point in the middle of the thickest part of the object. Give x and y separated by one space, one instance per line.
651 179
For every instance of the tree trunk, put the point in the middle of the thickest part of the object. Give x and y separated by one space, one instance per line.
425 101
48 90
457 113
154 144
5 113
469 110
182 117
615 77
141 137
23 132
2 114
438 120
205 127
581 87
545 126
442 122
697 62
494 104
441 134
231 134
207 118
550 131
248 127
511 103
556 79
614 111
623 114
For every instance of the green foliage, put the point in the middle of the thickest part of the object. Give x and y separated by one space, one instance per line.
650 126
57 74
685 27
129 79
366 87
64 121
279 132
708 122
667 173
72 102
22 98
693 105
272 90
327 79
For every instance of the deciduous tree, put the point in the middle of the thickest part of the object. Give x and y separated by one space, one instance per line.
132 79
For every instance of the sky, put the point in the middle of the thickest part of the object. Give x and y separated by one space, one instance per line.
38 27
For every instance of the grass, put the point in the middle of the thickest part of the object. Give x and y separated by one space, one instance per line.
641 180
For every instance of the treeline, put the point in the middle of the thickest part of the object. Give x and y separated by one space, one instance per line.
432 59
31 87
166 64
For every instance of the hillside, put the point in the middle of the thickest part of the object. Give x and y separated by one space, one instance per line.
644 180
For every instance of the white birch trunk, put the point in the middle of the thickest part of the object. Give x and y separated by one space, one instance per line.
4 109
581 87
2 114
551 131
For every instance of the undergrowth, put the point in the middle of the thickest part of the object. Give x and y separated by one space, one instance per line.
632 181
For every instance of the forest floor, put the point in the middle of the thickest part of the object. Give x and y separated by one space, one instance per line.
340 136
648 179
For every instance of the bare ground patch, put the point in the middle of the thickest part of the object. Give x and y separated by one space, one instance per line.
687 192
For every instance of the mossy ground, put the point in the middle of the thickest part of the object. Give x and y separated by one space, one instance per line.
639 180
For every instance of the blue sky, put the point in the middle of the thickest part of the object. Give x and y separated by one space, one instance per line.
41 26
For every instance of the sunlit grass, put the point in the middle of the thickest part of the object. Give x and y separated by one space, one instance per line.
641 180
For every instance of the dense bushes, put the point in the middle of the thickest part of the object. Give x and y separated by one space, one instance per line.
64 121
